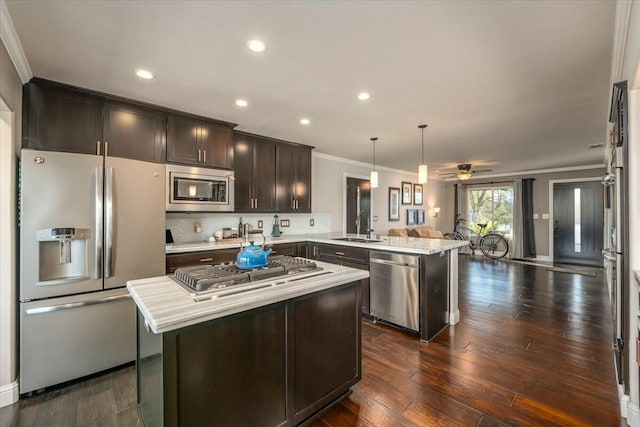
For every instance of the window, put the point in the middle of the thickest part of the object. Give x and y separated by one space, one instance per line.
492 206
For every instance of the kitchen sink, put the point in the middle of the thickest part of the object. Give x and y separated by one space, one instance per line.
356 239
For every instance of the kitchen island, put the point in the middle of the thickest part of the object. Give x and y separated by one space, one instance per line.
270 352
403 245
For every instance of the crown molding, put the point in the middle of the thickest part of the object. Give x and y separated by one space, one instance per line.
531 172
365 165
11 42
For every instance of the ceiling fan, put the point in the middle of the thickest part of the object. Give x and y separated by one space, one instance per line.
465 172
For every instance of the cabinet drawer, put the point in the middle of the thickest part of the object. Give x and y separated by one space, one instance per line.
290 249
346 253
174 261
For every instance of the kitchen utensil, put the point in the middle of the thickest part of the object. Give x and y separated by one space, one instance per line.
253 256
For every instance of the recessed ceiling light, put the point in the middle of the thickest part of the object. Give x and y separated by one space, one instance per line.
144 74
241 103
305 121
363 96
257 45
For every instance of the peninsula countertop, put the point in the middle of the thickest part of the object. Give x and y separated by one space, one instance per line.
166 305
412 245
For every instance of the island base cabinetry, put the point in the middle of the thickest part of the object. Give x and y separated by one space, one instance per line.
272 366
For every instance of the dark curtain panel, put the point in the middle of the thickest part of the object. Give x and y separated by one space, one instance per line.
455 203
528 236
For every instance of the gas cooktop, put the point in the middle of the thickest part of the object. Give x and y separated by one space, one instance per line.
211 277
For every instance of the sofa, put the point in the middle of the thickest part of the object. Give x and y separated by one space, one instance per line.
424 231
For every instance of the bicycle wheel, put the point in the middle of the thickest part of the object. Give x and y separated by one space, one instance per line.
455 236
494 246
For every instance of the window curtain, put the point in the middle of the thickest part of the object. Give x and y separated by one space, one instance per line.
515 249
528 236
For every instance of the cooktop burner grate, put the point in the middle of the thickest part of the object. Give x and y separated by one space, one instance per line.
207 277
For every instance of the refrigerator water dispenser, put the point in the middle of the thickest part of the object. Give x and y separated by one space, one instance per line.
62 254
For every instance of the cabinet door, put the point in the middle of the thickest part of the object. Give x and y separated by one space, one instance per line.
264 169
57 119
216 143
134 133
243 173
284 178
182 140
301 157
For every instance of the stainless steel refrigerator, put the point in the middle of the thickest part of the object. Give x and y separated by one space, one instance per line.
616 255
88 224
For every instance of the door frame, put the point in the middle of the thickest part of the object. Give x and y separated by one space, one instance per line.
346 175
558 181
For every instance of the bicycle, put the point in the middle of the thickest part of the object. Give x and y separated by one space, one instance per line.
492 244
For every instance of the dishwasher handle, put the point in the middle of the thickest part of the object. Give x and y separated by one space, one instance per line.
387 262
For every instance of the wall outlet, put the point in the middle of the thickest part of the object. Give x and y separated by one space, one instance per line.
312 222
545 216
260 224
535 216
197 227
285 223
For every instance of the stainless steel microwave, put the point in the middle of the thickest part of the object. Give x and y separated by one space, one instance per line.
194 189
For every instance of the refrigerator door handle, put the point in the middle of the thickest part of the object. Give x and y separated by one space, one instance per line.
97 271
108 219
52 308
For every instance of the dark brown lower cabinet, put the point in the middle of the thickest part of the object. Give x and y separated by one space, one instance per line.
272 366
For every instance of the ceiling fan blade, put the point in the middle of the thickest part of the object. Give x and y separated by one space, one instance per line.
483 170
448 173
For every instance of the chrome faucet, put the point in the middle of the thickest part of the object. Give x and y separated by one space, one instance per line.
359 220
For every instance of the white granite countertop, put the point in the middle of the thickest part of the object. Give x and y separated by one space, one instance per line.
166 305
413 245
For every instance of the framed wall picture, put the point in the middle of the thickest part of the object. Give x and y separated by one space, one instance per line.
420 216
411 216
406 193
417 194
394 204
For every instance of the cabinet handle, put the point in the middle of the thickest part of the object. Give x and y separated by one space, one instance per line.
204 156
106 148
199 155
315 251
206 259
340 253
256 206
98 148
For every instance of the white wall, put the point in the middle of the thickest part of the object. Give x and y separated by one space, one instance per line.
327 192
10 136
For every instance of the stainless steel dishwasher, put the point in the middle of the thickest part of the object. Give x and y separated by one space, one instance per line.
394 290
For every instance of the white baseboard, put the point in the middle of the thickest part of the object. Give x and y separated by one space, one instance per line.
9 394
633 415
545 258
454 317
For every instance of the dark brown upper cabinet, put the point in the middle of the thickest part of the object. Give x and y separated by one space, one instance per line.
58 119
133 132
293 178
254 160
198 142
62 118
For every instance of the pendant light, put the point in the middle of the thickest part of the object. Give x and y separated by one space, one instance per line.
374 172
422 169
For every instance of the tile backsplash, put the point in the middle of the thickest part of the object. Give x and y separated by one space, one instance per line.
183 229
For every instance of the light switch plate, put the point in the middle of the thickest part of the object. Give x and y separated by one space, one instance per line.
285 223
312 222
197 227
375 218
535 216
545 216
260 224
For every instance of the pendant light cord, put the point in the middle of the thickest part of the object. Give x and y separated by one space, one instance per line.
374 152
422 127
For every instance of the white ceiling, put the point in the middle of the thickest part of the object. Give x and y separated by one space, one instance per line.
510 85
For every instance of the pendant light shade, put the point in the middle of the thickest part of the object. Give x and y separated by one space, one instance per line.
374 172
422 169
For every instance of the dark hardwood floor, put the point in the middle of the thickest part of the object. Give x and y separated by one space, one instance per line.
532 348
